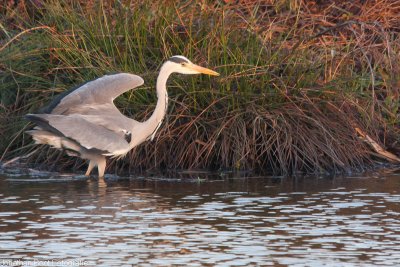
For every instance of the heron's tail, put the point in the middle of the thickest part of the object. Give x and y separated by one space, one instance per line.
41 136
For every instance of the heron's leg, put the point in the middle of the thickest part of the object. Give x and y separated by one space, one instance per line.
101 166
90 167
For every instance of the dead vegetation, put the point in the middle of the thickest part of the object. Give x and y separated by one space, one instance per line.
303 84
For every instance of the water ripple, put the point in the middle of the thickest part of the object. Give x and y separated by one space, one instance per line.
341 223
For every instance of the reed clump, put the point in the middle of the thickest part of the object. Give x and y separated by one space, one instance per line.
297 78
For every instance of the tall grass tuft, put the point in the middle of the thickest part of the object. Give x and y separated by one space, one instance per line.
297 78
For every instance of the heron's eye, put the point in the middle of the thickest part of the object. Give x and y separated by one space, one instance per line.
183 64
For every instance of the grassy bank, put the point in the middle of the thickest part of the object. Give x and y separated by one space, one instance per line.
297 78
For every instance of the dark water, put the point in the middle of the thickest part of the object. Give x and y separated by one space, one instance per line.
265 221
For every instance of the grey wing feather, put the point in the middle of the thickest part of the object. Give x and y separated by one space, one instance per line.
106 115
100 91
88 135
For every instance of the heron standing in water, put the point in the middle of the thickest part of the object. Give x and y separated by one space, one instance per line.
85 122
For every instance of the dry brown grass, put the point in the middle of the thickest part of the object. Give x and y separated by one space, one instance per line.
298 78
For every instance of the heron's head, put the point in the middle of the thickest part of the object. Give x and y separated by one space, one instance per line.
181 64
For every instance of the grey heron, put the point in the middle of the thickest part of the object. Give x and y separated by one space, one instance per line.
85 122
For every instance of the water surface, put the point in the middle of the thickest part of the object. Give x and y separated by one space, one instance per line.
256 221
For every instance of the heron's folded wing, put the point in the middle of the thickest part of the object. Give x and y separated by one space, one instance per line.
88 135
100 91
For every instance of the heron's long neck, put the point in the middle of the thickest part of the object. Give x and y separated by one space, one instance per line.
162 95
158 115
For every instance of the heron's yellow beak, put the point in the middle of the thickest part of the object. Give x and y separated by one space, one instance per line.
202 70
